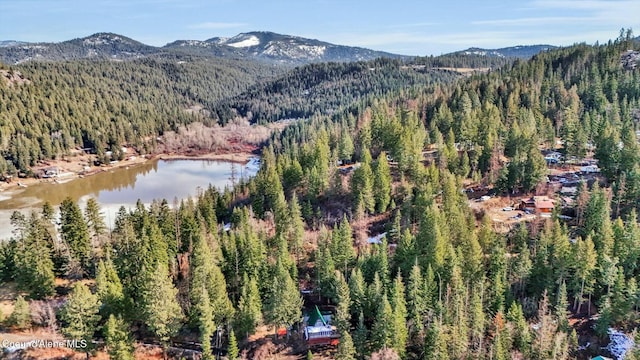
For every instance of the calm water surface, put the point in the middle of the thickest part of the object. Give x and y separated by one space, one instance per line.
158 179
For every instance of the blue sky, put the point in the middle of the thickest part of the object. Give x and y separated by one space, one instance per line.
411 27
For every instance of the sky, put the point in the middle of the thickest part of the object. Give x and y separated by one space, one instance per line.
409 27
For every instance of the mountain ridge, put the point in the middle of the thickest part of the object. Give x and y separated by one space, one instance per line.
518 51
257 45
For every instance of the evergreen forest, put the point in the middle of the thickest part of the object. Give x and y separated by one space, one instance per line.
444 283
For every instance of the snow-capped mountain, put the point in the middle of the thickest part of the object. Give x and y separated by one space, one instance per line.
269 46
261 46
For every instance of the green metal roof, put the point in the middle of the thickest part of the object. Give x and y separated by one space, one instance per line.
315 316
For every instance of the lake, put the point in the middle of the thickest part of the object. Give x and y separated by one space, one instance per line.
157 179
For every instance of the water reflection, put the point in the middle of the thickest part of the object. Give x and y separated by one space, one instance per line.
151 180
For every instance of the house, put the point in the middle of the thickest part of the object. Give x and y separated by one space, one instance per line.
318 329
539 205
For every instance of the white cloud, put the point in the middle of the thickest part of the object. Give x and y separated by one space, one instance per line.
217 25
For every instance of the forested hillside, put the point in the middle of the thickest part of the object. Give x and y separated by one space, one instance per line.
325 89
50 108
99 105
442 284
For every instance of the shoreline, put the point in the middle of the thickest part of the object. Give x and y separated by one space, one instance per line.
18 183
239 157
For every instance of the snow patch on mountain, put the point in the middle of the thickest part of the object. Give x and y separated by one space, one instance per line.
313 51
252 40
194 43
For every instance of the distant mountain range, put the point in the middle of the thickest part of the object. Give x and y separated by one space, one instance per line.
520 51
258 45
262 46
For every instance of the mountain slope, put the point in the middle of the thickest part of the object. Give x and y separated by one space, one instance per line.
262 46
96 46
520 51
324 89
272 47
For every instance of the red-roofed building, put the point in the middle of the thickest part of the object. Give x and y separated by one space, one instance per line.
539 205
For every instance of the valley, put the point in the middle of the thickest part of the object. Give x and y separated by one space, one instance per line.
474 205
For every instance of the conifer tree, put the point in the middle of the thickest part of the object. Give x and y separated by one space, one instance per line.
435 346
585 260
417 302
342 251
477 321
345 147
33 264
346 349
620 302
162 313
360 337
296 230
325 264
382 183
398 303
109 288
249 314
542 344
520 333
284 305
233 351
362 184
74 232
430 242
405 255
357 292
383 327
21 316
94 218
117 339
80 315
472 266
343 300
562 304
207 273
206 326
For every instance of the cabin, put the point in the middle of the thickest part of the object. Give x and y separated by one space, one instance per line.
539 205
318 329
